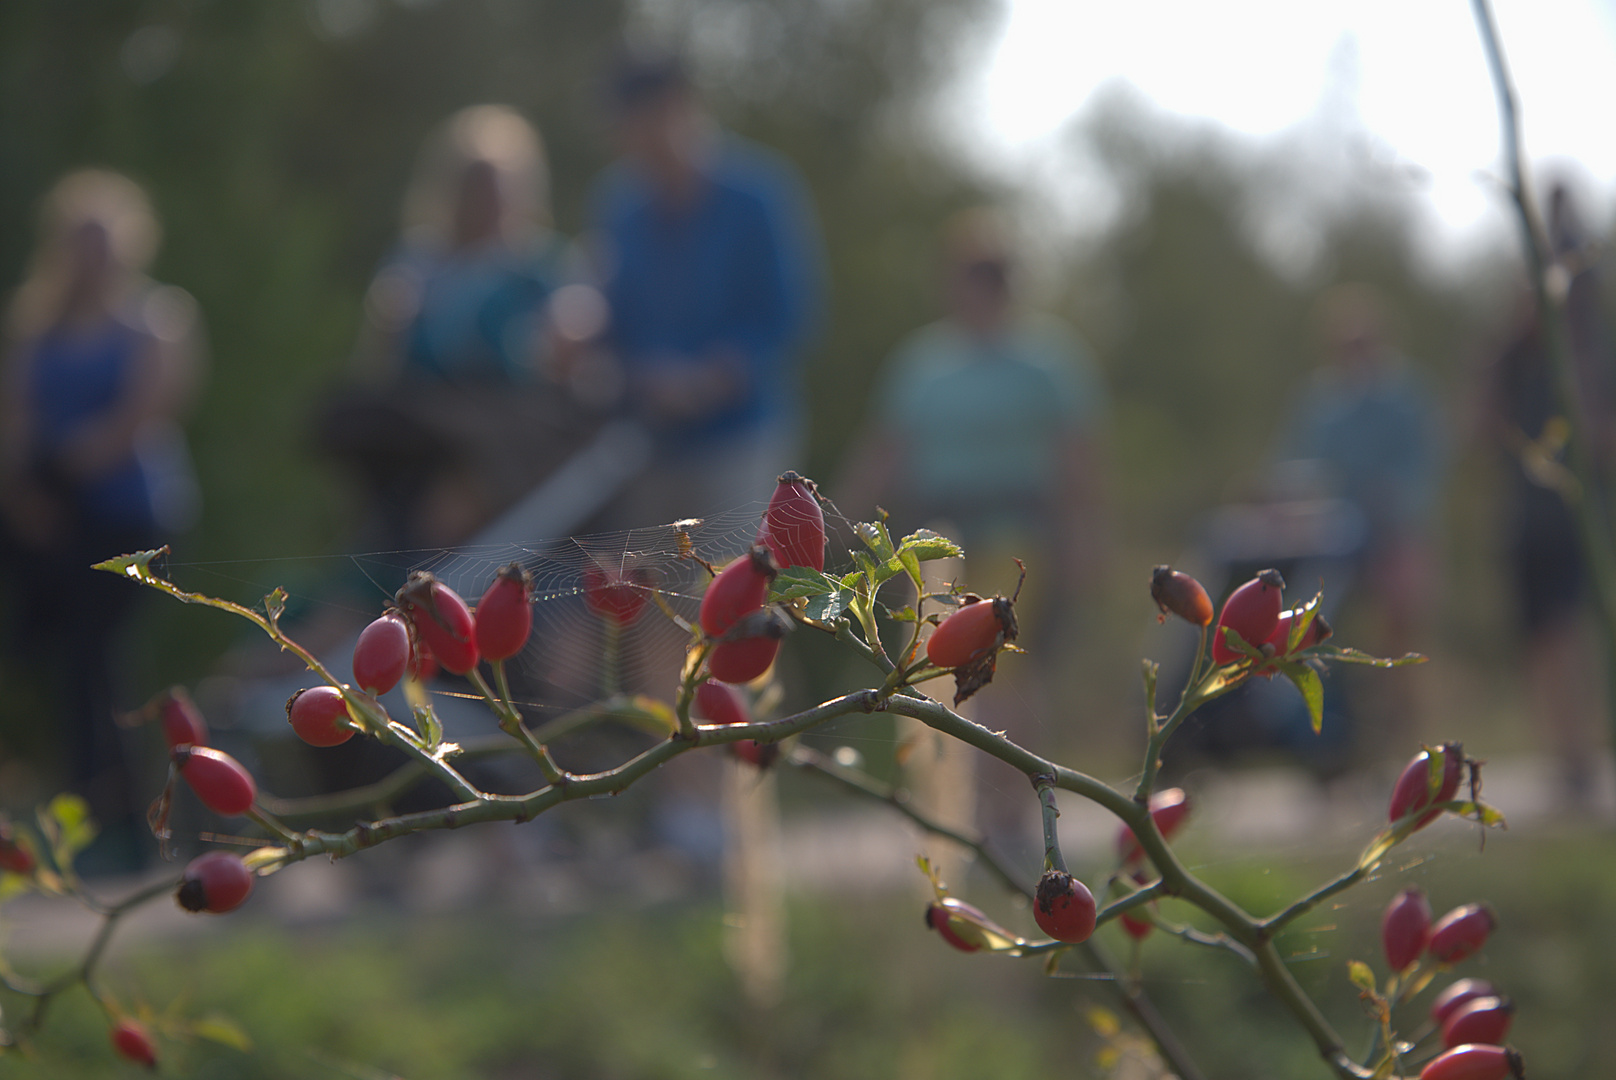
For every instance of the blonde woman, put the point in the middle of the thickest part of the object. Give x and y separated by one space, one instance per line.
98 365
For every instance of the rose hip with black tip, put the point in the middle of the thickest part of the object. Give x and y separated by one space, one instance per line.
215 882
1063 907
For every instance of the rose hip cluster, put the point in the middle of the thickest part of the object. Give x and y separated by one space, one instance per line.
1254 613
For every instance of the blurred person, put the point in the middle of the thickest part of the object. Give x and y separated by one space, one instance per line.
99 365
987 424
710 264
1368 429
1526 418
456 328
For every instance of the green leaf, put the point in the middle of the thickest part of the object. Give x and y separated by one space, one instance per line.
427 722
829 606
1355 656
67 825
136 565
1312 688
1480 812
1361 975
850 581
222 1030
876 538
275 604
1299 626
927 545
911 564
801 582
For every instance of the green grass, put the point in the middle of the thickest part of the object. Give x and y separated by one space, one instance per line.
632 993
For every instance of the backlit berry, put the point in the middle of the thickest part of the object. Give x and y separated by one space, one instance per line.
216 882
616 595
794 525
722 705
382 654
220 782
738 590
1448 1001
441 620
1461 933
1063 907
974 631
1405 928
1168 809
182 720
1181 595
132 1041
319 715
1414 789
1252 612
1474 1061
1480 1020
504 617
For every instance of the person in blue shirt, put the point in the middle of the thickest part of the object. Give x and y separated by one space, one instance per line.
709 263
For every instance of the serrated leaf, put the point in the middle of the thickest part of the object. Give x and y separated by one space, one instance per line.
1357 656
221 1030
903 614
1361 975
275 604
1308 682
850 581
875 537
911 564
800 582
927 545
829 606
428 724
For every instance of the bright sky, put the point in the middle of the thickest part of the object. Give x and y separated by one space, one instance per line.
1259 67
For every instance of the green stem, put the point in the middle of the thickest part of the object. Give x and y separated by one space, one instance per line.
1049 812
510 722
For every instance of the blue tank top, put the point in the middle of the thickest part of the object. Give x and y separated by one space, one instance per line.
76 377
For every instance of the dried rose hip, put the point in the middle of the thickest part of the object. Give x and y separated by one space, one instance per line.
1168 809
132 1041
1181 595
1252 612
441 620
504 617
319 715
182 720
215 882
1448 1001
1063 907
1461 933
794 525
1413 789
382 654
1405 928
738 590
1480 1020
1475 1062
218 779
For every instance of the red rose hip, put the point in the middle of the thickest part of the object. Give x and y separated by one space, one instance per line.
742 660
794 525
441 620
1480 1020
182 720
319 715
133 1042
722 705
1181 595
1405 928
1252 612
972 632
14 857
1461 933
615 596
504 617
1318 631
963 925
738 590
1473 1061
1063 907
1413 789
1448 1001
382 654
218 779
216 882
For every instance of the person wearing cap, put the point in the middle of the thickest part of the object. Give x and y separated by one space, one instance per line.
709 260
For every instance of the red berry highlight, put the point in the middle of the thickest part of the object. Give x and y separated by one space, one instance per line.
616 596
319 715
972 632
441 620
1413 789
216 882
218 779
1063 907
504 618
1252 612
382 654
132 1042
1461 933
1318 631
1405 928
1181 595
1480 1020
182 720
1168 809
794 525
738 590
1475 1062
1448 1001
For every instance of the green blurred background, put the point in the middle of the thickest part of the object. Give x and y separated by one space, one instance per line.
276 138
